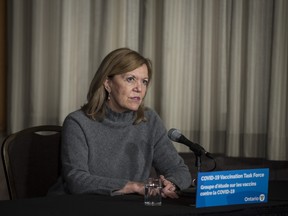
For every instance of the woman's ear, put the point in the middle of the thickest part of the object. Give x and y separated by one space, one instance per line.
106 85
107 88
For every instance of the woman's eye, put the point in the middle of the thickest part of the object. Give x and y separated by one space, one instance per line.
145 82
130 79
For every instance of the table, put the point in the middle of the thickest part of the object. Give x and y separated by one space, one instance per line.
86 205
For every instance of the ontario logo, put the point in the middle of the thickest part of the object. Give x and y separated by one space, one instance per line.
261 198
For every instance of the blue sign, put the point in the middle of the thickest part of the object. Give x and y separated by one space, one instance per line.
231 187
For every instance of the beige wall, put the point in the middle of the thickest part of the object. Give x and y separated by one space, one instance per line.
2 67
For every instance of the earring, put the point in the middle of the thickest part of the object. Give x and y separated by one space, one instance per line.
108 98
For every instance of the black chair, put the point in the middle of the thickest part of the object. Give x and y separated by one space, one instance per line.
31 160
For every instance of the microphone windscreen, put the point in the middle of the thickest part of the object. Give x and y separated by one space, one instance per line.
174 134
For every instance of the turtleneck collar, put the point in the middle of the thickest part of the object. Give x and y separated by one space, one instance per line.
124 117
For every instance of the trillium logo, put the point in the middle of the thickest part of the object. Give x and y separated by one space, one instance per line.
262 197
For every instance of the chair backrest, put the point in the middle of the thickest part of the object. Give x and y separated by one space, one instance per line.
31 160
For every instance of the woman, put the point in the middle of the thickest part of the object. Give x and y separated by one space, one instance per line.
111 143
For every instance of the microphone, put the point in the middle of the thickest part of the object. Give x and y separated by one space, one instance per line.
176 136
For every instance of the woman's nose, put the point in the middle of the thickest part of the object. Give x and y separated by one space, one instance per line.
138 86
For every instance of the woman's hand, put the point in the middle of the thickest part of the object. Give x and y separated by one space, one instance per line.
132 187
168 188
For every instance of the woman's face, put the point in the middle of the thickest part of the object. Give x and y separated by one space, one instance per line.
127 90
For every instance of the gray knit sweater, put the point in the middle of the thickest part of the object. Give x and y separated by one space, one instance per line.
101 157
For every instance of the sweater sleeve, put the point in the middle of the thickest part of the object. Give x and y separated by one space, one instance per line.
75 169
167 160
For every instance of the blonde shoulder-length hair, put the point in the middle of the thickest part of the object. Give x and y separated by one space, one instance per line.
119 61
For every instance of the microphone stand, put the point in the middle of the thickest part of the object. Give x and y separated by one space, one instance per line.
198 161
197 164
